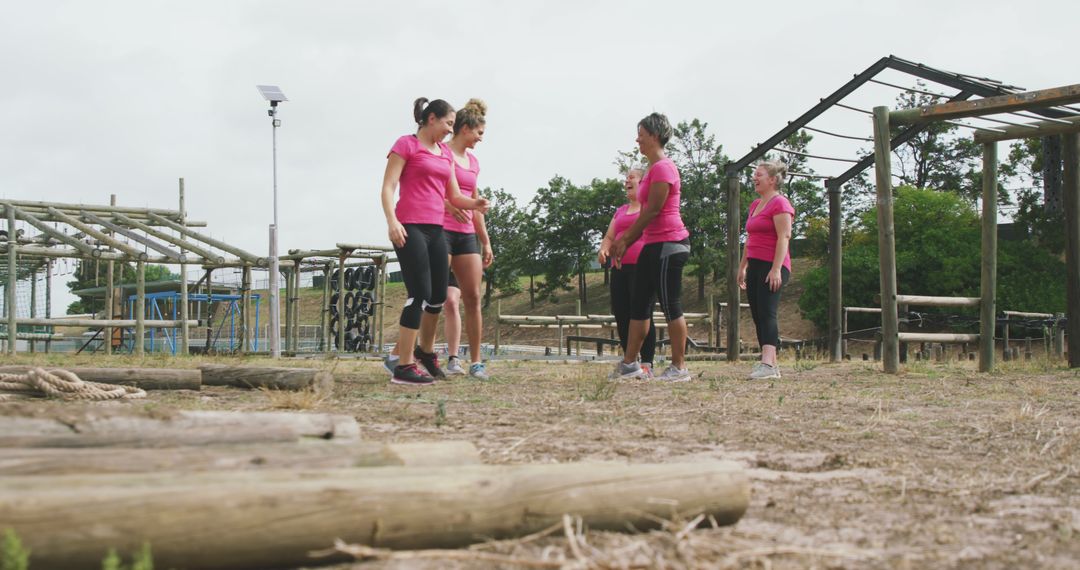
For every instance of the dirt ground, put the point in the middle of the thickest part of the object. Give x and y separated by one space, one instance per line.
939 467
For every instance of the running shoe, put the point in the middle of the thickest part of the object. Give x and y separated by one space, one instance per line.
672 374
430 362
410 375
624 371
646 370
453 367
479 371
389 362
764 371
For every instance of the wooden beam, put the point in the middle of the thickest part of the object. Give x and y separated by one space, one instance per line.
93 219
937 337
82 323
44 206
890 345
988 106
934 301
102 237
1036 129
1070 190
12 283
988 286
183 230
207 255
82 246
275 518
734 227
836 273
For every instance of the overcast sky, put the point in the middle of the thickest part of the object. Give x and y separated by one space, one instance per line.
125 97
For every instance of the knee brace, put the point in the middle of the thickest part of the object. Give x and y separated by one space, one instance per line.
433 308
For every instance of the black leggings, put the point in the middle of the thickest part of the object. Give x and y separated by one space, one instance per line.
763 302
622 281
425 270
659 273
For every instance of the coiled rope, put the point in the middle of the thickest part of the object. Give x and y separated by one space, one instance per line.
61 384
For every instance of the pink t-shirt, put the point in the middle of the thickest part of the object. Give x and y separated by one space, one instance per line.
668 224
423 181
623 221
761 232
466 180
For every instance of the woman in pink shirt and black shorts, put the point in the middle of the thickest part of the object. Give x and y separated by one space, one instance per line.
766 264
622 277
666 250
423 166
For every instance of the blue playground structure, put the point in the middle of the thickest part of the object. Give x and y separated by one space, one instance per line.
168 302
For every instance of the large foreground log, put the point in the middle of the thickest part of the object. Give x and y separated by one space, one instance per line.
267 377
272 519
123 427
145 378
44 461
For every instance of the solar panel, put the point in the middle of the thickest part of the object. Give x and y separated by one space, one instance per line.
271 93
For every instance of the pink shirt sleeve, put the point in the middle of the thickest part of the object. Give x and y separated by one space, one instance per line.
665 172
404 147
783 206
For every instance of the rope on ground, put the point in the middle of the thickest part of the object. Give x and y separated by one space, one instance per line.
61 384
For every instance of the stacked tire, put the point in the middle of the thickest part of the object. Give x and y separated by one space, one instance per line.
357 286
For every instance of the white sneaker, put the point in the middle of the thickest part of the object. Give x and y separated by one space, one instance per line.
624 371
764 371
453 367
672 374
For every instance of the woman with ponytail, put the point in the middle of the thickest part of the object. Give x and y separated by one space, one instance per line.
423 167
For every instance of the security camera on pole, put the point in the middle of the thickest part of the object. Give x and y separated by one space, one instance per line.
273 94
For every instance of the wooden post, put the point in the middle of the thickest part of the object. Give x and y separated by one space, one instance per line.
296 305
734 224
140 307
383 275
288 306
185 332
33 305
1005 335
246 330
836 270
901 326
712 317
843 333
1071 202
110 294
498 324
12 283
890 343
577 332
340 345
987 310
48 297
324 313
209 302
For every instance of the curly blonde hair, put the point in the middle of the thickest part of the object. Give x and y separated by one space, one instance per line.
471 115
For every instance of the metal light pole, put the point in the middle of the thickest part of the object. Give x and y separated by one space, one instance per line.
273 94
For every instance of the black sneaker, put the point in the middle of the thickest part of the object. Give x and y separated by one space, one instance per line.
410 375
430 362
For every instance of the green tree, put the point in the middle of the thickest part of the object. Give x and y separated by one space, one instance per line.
937 253
93 273
507 228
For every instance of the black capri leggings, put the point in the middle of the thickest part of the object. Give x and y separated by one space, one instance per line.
659 273
425 269
622 281
763 302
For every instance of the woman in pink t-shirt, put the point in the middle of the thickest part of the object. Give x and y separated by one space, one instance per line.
766 264
423 166
468 243
622 277
665 253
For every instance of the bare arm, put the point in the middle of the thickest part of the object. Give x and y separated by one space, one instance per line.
455 197
606 243
782 223
394 165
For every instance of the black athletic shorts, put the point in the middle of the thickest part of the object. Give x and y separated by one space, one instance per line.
461 243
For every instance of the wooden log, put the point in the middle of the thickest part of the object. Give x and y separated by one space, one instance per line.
932 301
938 337
271 378
306 455
125 427
145 378
273 519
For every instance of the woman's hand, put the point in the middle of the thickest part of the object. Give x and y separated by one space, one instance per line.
481 205
618 249
774 280
456 212
740 279
487 256
604 254
396 231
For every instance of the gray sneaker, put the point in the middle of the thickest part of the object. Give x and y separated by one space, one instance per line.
478 371
672 374
624 371
453 367
389 362
764 371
